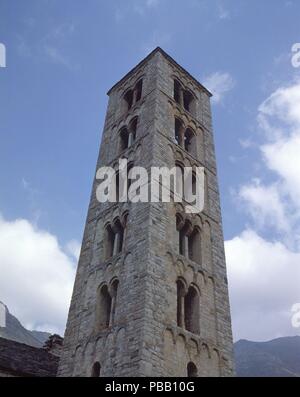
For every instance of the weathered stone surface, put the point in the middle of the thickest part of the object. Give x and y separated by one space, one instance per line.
20 360
143 338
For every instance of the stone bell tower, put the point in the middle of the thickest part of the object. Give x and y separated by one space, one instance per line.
150 296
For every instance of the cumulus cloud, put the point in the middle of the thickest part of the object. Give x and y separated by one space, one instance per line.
264 273
264 284
219 84
280 118
37 275
276 204
73 248
265 205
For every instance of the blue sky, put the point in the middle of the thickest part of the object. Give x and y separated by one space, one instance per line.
63 56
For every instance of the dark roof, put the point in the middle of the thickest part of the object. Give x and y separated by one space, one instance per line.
170 59
24 360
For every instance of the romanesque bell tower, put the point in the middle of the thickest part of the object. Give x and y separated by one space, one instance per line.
150 296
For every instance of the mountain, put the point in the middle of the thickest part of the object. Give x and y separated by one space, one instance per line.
276 358
11 328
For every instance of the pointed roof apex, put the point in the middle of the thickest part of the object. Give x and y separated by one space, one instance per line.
170 59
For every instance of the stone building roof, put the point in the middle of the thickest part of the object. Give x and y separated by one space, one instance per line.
18 359
170 59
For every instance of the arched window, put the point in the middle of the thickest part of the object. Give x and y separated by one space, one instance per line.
113 240
178 132
96 370
133 96
188 307
124 139
181 235
189 240
194 183
129 99
128 135
129 180
109 242
132 131
190 142
192 371
103 308
180 303
138 89
178 187
177 90
181 242
188 101
119 234
191 310
185 138
194 244
114 291
106 305
184 97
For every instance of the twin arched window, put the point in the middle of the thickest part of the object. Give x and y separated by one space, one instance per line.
188 307
185 137
128 135
184 97
134 95
114 238
189 240
106 304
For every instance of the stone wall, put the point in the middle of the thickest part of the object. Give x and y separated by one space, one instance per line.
20 360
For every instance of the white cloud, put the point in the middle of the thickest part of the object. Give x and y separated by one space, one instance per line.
264 281
37 275
73 248
265 275
280 119
265 205
283 157
283 105
219 84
